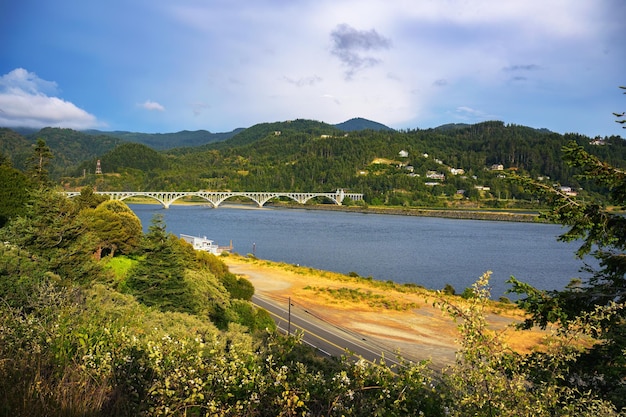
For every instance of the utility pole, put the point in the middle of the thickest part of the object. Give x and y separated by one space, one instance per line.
289 321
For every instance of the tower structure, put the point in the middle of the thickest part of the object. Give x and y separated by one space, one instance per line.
98 168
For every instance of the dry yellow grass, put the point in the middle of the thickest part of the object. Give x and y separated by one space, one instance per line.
378 309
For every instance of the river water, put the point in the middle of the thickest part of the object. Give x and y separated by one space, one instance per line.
430 252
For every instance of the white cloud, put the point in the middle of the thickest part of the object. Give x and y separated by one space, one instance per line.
21 80
24 103
403 63
152 105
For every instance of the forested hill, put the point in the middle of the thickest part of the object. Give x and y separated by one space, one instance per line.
89 143
358 123
410 167
69 147
163 141
187 138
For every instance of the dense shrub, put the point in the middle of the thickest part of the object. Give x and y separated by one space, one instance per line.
238 287
253 318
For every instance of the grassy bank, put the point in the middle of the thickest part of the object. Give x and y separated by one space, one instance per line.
491 214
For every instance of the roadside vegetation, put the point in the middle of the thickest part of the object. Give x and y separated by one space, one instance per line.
357 295
98 320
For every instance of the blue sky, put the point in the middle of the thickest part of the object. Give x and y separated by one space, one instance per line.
166 66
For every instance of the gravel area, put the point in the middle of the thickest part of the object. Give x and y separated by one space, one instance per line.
418 333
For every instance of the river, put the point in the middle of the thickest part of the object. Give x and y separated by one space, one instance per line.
430 252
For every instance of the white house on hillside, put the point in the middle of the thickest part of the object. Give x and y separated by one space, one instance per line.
434 175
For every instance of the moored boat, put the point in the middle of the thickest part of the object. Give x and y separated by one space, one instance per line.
204 244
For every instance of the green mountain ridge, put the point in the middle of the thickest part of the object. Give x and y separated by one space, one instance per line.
186 138
163 141
411 168
358 123
72 147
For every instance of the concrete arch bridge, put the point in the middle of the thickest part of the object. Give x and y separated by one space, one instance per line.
215 198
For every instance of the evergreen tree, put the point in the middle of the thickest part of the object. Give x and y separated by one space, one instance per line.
53 232
88 199
115 225
14 188
38 163
158 279
603 234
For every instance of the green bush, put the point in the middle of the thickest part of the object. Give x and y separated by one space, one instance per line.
449 289
238 287
252 317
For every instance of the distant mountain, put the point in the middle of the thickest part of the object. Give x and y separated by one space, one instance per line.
358 123
11 142
301 126
197 138
164 141
24 131
452 126
289 127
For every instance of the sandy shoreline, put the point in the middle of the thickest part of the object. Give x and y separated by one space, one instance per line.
412 325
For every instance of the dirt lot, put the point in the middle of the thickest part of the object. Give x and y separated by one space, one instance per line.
406 322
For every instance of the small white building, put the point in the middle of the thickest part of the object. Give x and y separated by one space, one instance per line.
568 191
457 171
434 175
203 244
403 154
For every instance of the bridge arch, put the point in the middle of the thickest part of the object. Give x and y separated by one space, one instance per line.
123 195
328 197
270 196
152 196
225 196
191 194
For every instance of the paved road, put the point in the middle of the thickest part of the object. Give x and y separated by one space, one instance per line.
326 338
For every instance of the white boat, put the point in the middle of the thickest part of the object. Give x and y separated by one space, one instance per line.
204 244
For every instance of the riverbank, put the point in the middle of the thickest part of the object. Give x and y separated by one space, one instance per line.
492 215
400 317
464 214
